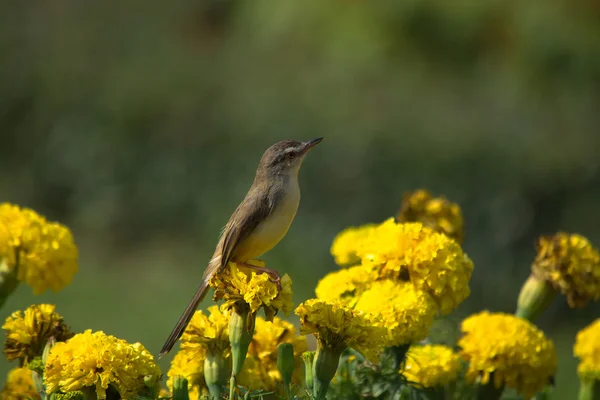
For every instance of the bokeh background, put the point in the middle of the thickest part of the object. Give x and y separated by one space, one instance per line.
139 124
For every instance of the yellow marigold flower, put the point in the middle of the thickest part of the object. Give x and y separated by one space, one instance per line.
237 284
28 332
96 360
338 327
571 264
207 332
437 213
260 369
510 349
190 365
431 365
431 261
45 251
587 349
406 312
19 385
345 285
345 244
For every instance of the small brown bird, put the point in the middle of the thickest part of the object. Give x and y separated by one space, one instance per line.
260 221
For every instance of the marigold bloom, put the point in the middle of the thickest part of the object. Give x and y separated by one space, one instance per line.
190 365
571 264
45 251
338 327
437 213
19 385
28 332
97 360
431 261
406 312
237 284
260 369
210 332
587 349
345 244
345 285
431 365
508 349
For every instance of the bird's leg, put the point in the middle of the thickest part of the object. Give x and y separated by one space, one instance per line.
273 275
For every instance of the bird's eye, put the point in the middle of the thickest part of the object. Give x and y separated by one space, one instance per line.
290 155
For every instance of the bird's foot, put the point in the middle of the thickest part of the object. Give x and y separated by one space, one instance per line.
273 275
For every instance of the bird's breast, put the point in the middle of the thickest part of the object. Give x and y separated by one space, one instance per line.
270 231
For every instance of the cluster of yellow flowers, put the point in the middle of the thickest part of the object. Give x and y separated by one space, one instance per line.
437 213
572 266
431 261
507 351
587 349
71 362
27 333
19 385
397 277
432 365
238 285
41 253
98 360
260 369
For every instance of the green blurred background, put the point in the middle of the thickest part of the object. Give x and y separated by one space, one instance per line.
139 124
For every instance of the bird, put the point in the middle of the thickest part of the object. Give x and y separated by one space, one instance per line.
259 222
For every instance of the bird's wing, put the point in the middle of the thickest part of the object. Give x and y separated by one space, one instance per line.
250 213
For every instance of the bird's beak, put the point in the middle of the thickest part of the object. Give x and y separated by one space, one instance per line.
311 143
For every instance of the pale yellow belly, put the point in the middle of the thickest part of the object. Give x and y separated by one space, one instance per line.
270 231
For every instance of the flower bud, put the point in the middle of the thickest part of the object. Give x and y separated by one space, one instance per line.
49 345
308 357
180 388
324 367
241 329
216 372
536 295
285 365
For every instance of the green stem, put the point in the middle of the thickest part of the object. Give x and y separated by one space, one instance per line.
399 355
589 390
232 387
8 280
489 391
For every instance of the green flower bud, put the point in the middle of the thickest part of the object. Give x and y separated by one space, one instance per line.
308 357
241 329
285 365
49 345
324 368
216 371
180 388
536 295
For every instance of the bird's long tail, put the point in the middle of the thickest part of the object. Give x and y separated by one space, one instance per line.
185 317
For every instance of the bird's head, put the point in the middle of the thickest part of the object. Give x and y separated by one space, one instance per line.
285 157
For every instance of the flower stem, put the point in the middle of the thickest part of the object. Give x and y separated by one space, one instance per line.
589 390
399 355
489 391
232 387
8 280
